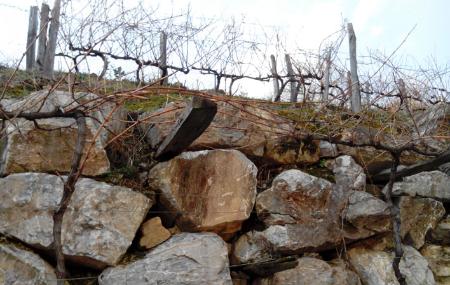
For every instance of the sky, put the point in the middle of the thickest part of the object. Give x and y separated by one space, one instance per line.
379 24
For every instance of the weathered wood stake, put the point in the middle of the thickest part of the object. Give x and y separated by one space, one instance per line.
49 59
31 38
276 86
356 94
290 70
326 79
42 41
163 58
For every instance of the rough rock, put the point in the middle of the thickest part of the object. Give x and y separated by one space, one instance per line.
328 149
254 131
187 258
438 258
418 216
348 173
312 271
153 233
207 190
98 226
445 168
301 211
19 266
374 267
49 148
47 145
441 233
431 184
251 247
367 214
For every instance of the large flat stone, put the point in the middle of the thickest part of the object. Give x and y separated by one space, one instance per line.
187 258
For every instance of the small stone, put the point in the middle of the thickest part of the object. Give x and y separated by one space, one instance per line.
153 233
20 266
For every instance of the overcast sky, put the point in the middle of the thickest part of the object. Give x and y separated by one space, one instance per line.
379 24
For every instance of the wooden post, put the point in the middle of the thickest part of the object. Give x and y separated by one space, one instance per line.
49 59
326 80
31 38
290 70
356 94
163 58
276 86
42 40
403 94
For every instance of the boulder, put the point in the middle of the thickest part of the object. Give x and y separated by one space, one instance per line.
418 216
313 271
438 258
207 190
187 258
431 184
98 226
348 173
366 213
20 266
257 132
328 149
301 212
153 233
441 233
374 267
252 247
48 147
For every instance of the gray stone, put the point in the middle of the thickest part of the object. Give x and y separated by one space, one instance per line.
302 212
374 267
348 173
418 216
441 233
98 226
328 149
312 271
366 212
20 266
438 258
432 184
210 190
187 258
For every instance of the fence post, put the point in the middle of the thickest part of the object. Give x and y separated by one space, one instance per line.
290 70
163 57
327 76
276 86
31 38
403 94
356 94
42 40
49 59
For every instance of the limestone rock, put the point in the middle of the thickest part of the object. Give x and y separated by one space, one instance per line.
48 148
98 226
432 184
328 149
210 190
438 258
254 131
441 234
375 267
47 145
153 233
418 216
301 211
187 258
366 212
252 247
19 266
348 173
312 271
